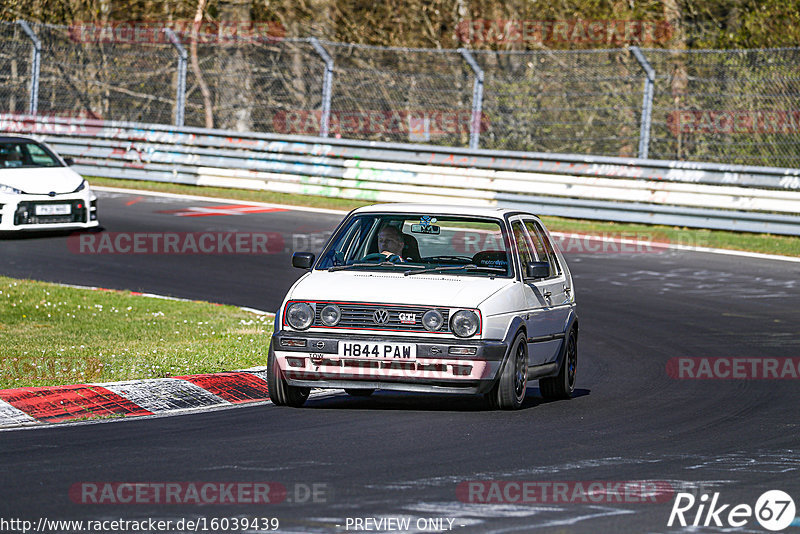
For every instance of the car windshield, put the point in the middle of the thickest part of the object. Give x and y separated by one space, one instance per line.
419 243
25 154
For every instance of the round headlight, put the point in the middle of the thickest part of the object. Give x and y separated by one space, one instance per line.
432 320
300 315
464 323
330 315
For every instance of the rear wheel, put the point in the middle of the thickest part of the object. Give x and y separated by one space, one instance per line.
281 393
359 392
562 386
509 392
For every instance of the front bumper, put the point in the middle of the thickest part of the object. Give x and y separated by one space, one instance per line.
18 212
435 369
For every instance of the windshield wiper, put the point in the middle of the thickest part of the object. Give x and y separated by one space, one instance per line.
369 264
468 267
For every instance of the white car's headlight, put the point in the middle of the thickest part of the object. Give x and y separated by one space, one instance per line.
7 189
300 315
81 187
330 315
432 320
464 323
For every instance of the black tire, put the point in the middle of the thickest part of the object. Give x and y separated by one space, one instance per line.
281 393
359 392
562 386
509 391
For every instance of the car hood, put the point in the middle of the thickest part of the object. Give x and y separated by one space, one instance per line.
41 180
389 288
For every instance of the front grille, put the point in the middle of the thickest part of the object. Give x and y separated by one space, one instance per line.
26 213
362 316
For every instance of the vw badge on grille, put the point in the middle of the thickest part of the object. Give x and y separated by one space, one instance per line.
380 316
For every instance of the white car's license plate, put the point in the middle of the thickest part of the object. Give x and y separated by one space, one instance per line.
53 209
405 352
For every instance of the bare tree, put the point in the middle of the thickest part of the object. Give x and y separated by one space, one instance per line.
198 74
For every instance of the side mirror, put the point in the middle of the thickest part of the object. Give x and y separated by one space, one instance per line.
537 269
302 260
69 161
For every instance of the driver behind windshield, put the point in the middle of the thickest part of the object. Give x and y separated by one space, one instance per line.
391 243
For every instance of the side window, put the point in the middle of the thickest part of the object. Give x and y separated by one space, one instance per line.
544 247
524 246
11 156
38 156
541 254
344 248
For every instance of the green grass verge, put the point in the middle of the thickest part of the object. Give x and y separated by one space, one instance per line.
764 243
53 335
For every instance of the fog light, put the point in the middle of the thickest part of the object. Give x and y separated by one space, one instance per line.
330 315
464 351
432 320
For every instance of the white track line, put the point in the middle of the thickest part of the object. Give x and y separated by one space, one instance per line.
217 199
162 297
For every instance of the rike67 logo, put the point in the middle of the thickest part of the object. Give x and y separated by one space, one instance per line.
774 510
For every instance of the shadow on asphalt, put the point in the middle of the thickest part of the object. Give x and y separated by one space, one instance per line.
35 233
391 400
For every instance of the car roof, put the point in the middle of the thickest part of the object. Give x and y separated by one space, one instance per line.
439 209
15 137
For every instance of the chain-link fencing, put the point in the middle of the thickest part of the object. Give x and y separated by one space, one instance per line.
737 106
16 56
731 106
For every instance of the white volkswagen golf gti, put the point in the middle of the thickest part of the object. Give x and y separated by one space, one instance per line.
38 190
414 297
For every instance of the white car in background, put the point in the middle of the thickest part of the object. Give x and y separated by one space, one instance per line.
446 299
38 189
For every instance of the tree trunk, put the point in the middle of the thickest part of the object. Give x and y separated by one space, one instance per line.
235 85
207 104
679 79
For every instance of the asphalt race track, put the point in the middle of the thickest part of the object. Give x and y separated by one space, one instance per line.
410 456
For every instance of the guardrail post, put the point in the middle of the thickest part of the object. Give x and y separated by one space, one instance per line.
180 96
647 102
477 99
327 86
33 103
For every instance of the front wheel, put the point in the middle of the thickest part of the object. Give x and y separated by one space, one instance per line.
281 393
509 391
562 386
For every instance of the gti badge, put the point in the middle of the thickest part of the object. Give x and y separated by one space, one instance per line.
407 318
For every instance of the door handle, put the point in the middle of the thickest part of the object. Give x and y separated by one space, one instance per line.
547 293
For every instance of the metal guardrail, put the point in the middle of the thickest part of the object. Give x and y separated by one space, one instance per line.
700 195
